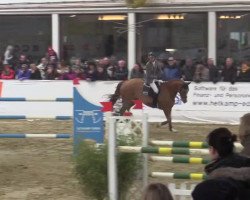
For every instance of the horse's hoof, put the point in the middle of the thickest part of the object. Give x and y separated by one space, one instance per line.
174 130
158 125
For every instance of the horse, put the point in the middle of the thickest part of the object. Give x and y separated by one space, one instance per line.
132 89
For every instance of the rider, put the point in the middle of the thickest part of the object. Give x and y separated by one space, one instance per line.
153 72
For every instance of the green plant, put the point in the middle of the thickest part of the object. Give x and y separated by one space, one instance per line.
91 168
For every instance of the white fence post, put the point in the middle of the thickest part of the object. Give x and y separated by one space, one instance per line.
145 143
112 162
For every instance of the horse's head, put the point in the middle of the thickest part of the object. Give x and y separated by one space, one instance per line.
184 91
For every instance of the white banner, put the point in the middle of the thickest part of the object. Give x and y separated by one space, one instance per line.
207 102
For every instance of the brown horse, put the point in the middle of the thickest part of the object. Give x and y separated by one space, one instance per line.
133 89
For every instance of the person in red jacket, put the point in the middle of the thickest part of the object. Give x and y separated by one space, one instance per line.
7 73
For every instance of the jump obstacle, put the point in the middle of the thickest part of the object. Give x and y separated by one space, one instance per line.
24 99
200 148
186 144
61 99
23 135
173 147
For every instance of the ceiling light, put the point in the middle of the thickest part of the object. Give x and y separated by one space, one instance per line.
230 16
112 17
170 17
170 50
72 16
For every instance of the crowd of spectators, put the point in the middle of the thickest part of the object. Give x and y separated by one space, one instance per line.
105 68
50 68
205 71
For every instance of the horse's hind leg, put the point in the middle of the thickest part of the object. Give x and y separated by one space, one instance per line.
126 106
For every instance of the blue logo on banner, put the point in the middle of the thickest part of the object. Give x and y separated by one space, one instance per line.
88 120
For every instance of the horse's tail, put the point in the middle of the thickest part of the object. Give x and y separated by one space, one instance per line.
114 97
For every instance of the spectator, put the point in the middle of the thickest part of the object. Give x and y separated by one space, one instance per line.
244 134
108 67
51 73
78 64
137 71
7 73
23 73
62 69
9 56
105 62
101 74
171 71
213 71
22 60
243 173
42 67
52 56
70 75
188 70
221 149
229 72
220 189
201 73
121 71
244 75
35 73
157 191
91 73
78 72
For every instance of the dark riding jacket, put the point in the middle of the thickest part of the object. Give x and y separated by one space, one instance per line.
233 160
153 71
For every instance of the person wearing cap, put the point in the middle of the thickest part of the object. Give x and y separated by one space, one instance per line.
153 72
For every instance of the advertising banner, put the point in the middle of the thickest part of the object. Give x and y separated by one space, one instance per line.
207 102
88 120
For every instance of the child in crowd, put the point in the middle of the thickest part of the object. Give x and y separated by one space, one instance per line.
7 73
157 191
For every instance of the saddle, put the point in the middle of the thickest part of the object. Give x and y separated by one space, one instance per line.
148 91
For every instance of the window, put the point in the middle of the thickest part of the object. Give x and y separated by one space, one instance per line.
30 35
93 36
233 36
181 35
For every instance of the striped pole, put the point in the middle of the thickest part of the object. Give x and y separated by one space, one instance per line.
22 135
61 99
186 144
163 150
179 175
189 160
35 117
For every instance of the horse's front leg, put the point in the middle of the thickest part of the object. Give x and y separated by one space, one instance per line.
167 113
164 123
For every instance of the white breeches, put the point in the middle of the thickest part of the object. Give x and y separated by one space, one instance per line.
154 87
